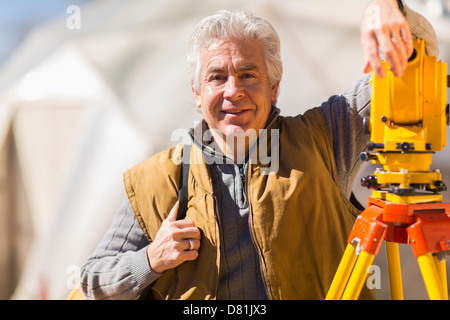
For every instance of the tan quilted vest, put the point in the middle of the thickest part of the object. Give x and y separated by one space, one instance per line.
299 218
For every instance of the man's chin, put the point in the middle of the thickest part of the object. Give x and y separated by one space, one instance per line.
238 130
233 131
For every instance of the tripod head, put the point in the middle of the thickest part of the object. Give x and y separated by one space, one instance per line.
407 124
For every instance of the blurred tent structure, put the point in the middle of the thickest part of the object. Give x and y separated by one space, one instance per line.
78 107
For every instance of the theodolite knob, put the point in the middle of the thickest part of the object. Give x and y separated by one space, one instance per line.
369 182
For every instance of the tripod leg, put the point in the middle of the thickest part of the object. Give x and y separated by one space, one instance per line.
342 274
358 276
430 276
395 272
441 266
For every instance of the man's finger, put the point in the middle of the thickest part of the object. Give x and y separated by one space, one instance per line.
371 55
173 213
189 255
195 244
390 51
402 56
182 232
406 35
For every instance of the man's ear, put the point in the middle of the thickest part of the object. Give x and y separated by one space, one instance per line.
274 93
196 97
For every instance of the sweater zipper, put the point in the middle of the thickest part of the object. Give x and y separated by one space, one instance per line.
244 174
243 177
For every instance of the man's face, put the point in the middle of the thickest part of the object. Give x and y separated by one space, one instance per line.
235 93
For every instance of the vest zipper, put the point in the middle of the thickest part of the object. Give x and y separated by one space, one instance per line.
250 217
219 224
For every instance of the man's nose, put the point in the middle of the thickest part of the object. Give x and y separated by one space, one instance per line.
233 89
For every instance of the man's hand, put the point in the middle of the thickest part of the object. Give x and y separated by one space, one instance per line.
384 27
172 243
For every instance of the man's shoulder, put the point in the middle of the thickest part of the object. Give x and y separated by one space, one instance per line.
164 163
309 119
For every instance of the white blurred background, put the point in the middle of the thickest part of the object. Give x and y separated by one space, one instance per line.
89 88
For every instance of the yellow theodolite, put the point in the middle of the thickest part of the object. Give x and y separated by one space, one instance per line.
407 123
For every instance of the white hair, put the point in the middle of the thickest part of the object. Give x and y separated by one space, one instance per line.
238 24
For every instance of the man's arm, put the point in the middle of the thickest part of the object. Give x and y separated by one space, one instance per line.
343 116
119 267
344 113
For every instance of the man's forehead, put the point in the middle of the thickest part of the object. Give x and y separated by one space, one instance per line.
240 68
245 55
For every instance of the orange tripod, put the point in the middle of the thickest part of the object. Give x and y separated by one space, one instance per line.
426 226
407 123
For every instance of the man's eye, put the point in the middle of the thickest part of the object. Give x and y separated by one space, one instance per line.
217 77
247 76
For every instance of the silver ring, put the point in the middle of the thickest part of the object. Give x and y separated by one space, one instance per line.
396 40
191 244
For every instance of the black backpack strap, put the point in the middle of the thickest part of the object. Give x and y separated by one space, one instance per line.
182 200
184 175
356 203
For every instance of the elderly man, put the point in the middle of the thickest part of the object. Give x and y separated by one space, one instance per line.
249 233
